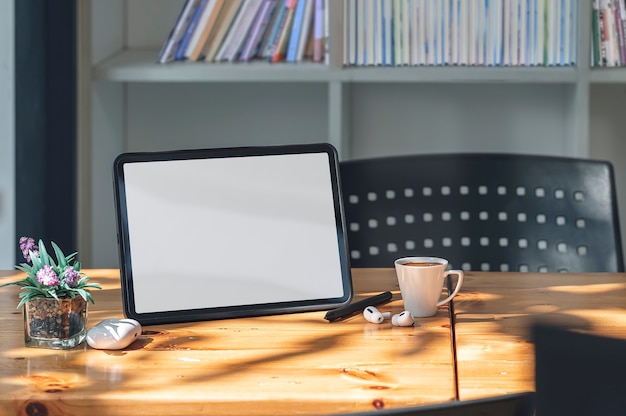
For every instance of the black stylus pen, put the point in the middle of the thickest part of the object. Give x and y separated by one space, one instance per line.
358 306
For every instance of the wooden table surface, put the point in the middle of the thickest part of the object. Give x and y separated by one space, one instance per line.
285 364
495 311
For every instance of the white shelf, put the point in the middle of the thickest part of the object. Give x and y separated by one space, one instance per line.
607 76
141 66
447 74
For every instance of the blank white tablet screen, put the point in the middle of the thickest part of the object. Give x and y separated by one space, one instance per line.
217 232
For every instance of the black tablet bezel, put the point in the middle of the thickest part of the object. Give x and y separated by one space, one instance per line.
232 311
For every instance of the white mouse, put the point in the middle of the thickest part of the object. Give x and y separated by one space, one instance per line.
113 334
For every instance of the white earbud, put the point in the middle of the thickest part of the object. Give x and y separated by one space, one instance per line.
402 319
374 316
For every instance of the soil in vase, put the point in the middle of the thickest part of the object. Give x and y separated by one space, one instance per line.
57 324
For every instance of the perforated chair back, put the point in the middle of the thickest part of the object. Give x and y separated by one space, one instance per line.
485 212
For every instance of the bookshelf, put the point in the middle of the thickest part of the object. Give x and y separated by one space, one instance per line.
127 102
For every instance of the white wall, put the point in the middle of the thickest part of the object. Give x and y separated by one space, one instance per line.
7 136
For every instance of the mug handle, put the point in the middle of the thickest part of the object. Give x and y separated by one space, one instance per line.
459 282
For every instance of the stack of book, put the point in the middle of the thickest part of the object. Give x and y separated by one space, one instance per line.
608 46
460 32
245 30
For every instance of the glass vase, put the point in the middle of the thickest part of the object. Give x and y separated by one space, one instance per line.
58 324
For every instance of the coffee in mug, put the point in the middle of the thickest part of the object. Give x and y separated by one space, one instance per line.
421 283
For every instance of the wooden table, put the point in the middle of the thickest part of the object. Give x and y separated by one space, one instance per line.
286 364
300 363
495 311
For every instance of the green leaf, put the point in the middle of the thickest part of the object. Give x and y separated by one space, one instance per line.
43 254
25 267
37 262
89 298
93 286
60 256
69 258
53 293
22 302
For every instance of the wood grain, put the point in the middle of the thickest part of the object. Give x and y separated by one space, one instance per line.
494 313
274 365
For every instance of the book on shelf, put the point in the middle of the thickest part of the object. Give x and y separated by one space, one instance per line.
370 32
621 24
387 28
540 42
227 14
309 46
469 32
318 30
182 48
566 22
531 33
279 48
326 32
378 33
206 25
606 49
243 30
359 33
238 30
266 37
396 23
275 29
442 33
171 44
296 29
417 34
259 26
406 32
305 29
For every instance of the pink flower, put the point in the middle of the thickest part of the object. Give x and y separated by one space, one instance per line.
71 276
47 277
27 245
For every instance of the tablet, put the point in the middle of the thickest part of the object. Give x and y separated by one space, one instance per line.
231 232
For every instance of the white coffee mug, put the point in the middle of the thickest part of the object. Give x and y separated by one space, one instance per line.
421 283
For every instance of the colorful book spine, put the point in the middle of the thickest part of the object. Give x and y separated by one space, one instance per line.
257 30
193 23
206 28
279 24
318 31
168 52
227 14
387 29
326 32
281 47
305 32
617 13
242 29
397 33
294 37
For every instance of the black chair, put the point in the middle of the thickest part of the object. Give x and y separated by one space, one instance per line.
578 374
519 404
498 212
